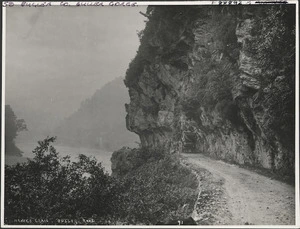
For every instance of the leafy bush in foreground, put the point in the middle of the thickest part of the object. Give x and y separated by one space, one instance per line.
50 187
159 189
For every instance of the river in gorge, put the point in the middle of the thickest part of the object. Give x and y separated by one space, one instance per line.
101 155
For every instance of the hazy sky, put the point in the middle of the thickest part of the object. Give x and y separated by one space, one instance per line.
58 56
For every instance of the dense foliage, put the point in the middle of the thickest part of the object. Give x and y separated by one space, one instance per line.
156 187
13 125
50 187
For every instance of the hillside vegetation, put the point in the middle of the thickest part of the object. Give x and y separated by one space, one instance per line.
13 126
50 189
100 121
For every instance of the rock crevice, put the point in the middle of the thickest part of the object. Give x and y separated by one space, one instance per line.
198 74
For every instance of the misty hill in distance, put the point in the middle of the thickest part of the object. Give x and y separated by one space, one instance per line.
100 121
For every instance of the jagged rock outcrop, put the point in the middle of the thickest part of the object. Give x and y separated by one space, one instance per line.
196 71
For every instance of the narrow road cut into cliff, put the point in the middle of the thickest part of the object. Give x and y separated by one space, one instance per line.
232 195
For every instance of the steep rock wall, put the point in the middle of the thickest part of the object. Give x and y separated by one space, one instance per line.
196 71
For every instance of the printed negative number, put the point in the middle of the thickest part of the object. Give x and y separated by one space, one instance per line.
230 2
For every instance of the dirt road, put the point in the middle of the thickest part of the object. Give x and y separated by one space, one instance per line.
236 196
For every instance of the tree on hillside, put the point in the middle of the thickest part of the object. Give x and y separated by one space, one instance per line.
12 127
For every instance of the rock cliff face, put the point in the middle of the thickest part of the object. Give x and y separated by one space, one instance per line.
200 71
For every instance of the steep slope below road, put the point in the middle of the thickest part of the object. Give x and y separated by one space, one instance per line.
245 197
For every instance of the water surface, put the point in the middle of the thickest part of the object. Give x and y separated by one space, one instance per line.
101 155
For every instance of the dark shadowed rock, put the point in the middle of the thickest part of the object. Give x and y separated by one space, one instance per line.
195 70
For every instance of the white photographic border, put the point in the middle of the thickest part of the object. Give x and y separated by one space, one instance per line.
109 4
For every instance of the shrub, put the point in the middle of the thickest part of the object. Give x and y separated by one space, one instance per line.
51 187
127 159
157 189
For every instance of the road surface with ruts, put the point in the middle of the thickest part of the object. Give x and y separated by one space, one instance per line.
230 195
